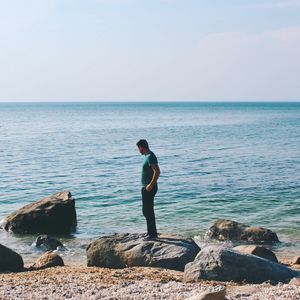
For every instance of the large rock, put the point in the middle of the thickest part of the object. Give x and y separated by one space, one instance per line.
223 264
47 260
127 250
54 214
258 251
48 242
231 230
10 260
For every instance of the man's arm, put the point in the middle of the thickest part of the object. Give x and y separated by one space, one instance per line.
156 173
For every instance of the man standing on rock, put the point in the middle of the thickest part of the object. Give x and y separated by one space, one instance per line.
150 174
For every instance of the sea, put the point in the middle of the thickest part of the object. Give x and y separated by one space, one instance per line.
218 160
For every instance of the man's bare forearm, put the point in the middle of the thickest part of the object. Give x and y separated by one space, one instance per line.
156 174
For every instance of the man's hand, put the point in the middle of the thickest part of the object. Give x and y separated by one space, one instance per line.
149 187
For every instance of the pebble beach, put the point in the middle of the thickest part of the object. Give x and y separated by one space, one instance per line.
81 282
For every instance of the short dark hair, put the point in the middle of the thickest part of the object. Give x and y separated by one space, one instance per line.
143 143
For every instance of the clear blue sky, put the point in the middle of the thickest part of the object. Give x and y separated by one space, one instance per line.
154 50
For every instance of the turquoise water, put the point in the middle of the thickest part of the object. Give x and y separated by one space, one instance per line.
218 160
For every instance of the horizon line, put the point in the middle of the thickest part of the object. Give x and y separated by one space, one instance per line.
151 101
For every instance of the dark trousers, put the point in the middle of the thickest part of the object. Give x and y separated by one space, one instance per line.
148 210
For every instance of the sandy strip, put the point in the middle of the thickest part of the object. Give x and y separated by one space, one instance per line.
80 282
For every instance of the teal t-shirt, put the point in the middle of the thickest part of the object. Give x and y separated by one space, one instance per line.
147 172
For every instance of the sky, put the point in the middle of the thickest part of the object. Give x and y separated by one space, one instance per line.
149 50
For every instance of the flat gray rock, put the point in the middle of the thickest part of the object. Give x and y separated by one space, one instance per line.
10 260
127 250
230 230
223 264
54 214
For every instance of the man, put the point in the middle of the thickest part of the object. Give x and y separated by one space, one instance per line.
150 174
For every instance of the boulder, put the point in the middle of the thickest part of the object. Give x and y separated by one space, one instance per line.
127 250
48 242
223 264
258 251
54 214
10 260
231 230
47 260
218 293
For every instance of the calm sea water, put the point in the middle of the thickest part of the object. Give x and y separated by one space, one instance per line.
218 160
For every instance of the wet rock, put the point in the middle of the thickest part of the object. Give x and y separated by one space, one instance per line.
127 250
48 242
54 214
10 260
258 251
231 230
47 260
223 264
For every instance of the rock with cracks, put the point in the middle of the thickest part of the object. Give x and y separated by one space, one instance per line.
54 214
223 264
231 230
127 250
10 260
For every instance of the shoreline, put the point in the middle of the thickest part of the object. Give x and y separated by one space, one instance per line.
77 255
75 248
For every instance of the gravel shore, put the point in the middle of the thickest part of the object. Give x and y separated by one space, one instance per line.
80 282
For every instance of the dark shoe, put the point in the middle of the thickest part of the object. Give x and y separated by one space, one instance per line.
150 237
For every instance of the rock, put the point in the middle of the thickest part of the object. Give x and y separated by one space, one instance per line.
217 294
54 214
231 230
296 260
47 260
295 281
223 264
258 251
48 242
127 250
10 260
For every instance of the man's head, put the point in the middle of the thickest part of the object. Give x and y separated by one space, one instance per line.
143 146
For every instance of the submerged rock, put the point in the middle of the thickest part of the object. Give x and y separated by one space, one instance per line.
54 214
231 230
48 242
10 260
258 251
127 250
47 260
223 264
